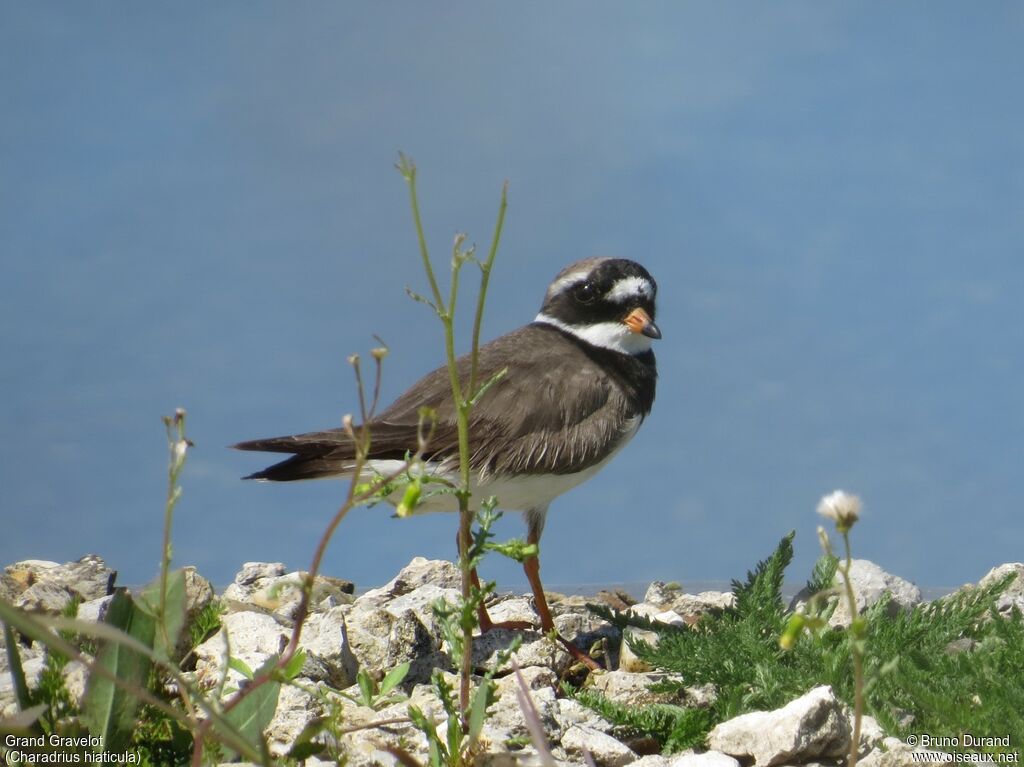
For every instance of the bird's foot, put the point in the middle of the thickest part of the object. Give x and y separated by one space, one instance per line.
578 655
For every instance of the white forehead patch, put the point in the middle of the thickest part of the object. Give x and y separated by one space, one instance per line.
629 288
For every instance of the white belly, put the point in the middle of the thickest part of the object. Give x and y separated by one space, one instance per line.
520 493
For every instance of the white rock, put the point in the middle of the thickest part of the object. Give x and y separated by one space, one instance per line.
630 689
672 597
95 610
380 641
253 637
651 760
707 759
893 752
1013 595
536 650
267 586
33 660
811 726
325 640
295 709
871 733
419 572
605 750
571 712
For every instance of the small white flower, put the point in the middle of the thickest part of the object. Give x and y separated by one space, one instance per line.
842 508
180 448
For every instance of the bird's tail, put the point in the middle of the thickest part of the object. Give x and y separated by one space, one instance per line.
315 456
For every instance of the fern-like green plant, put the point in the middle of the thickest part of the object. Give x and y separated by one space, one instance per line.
915 681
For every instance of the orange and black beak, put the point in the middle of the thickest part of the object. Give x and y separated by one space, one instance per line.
639 321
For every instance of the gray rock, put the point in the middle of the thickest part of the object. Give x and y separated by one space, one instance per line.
814 725
628 660
419 572
41 586
536 650
631 689
380 641
49 597
251 636
871 734
33 660
706 759
671 596
295 709
1013 595
267 586
652 760
330 657
605 750
893 752
570 712
95 610
870 583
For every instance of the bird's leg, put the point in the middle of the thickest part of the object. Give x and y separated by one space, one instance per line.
531 567
486 624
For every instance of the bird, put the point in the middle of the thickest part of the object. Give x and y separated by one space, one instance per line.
567 392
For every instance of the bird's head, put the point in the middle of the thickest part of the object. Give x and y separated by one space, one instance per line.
607 302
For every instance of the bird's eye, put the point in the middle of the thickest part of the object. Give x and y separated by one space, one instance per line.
585 293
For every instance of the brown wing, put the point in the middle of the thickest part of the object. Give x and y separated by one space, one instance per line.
555 410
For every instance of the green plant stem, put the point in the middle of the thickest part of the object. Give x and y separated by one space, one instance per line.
856 651
175 436
485 279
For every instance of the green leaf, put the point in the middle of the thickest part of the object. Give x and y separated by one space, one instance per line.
478 709
294 665
170 624
252 715
109 711
241 667
365 687
394 678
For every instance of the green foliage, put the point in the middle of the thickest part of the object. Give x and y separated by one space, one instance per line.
110 709
377 696
675 727
915 682
51 690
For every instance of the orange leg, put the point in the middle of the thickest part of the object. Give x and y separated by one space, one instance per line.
532 569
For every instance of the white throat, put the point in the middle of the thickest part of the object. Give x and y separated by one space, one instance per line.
607 335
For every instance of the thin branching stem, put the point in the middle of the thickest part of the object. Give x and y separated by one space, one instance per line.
485 279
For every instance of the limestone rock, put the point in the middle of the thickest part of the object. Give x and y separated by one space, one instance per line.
814 725
631 689
295 709
706 759
267 586
893 752
670 596
1013 595
48 587
380 640
605 750
419 572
